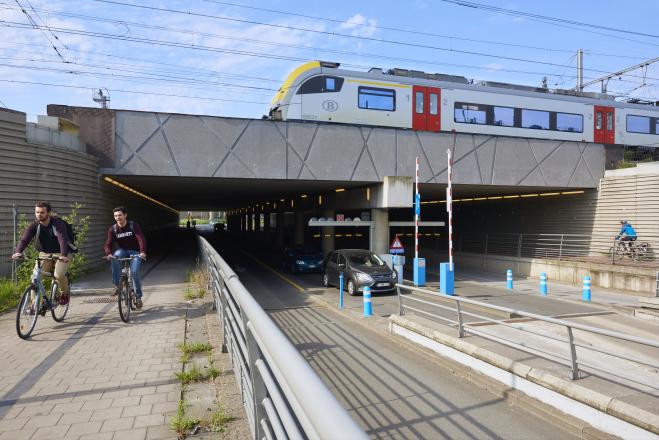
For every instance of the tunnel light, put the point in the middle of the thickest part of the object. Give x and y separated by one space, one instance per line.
550 194
281 200
368 193
304 196
530 195
467 200
495 198
320 200
134 191
292 203
565 193
511 197
340 190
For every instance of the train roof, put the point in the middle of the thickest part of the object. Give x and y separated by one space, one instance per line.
412 77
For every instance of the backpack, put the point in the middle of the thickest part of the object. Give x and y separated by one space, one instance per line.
70 232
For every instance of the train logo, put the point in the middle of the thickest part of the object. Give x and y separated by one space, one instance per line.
330 105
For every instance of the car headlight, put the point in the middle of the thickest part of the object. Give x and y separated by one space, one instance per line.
299 262
363 278
393 275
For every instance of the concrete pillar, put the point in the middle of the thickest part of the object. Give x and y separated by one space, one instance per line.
380 217
243 224
327 242
266 223
299 227
280 228
250 222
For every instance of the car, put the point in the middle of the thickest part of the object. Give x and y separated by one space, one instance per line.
301 258
360 268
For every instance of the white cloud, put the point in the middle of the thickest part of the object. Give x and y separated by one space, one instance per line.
358 25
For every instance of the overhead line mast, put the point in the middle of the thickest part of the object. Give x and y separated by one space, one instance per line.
605 79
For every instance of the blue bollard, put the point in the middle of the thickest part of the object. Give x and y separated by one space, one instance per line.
419 272
585 295
341 290
543 284
509 279
446 279
368 306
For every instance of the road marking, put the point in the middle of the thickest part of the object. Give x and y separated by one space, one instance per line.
288 280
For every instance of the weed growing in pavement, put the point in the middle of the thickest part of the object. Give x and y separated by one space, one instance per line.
218 420
195 347
192 293
194 374
180 423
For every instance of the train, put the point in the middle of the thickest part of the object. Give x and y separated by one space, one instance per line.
321 91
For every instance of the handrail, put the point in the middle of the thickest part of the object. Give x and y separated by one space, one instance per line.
287 399
463 328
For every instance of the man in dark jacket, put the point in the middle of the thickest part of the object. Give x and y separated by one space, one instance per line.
130 241
52 239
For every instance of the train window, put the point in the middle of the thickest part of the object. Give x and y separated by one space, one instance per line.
598 121
569 122
418 102
504 116
377 99
638 124
609 120
656 126
434 101
470 113
535 119
321 84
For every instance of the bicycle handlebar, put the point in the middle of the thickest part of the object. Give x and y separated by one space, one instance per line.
112 257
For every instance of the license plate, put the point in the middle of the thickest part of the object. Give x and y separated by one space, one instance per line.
382 284
312 266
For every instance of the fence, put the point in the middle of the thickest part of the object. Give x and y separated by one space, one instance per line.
283 397
554 246
571 343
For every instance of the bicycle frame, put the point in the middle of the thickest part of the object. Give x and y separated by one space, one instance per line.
38 283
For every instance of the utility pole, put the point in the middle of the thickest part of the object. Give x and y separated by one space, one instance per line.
580 85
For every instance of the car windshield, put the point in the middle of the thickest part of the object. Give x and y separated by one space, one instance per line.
366 259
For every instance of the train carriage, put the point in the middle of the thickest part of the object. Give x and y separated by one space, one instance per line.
321 91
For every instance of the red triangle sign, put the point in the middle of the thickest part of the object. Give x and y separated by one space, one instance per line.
396 244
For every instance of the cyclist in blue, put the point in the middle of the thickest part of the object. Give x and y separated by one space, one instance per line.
626 233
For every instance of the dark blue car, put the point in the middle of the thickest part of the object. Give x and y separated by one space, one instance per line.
301 258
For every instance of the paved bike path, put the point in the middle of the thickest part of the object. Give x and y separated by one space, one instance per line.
93 376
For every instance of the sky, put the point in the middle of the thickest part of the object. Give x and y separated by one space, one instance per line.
228 58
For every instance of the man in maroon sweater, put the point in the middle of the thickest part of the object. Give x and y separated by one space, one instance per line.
52 239
130 242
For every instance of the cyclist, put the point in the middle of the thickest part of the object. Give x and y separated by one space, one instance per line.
130 241
626 233
51 239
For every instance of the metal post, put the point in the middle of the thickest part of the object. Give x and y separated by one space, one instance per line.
613 252
449 208
585 294
341 290
14 275
573 354
580 70
401 311
657 291
417 214
368 305
560 248
519 246
461 330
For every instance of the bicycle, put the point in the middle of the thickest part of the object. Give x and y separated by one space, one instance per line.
126 297
31 306
634 251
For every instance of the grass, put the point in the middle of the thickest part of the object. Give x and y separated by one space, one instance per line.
194 293
218 420
9 295
194 347
180 423
194 374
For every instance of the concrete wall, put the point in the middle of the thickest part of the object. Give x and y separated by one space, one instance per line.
167 144
31 172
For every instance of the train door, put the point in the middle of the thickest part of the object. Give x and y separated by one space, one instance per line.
425 111
604 125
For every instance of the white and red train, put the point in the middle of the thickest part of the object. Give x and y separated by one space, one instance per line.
320 91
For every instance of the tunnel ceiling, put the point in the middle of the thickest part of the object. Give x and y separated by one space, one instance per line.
200 193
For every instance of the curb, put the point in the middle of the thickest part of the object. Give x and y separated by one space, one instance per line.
625 412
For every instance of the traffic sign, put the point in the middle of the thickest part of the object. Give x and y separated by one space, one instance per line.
340 217
396 246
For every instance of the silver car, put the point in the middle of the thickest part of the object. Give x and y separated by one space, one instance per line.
360 268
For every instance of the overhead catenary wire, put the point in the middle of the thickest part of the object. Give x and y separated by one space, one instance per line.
335 34
36 26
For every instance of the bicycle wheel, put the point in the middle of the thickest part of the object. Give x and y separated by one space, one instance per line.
124 300
57 309
27 313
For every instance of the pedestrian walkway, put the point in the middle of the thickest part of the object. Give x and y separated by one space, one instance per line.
93 376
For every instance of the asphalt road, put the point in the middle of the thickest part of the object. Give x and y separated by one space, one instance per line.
391 391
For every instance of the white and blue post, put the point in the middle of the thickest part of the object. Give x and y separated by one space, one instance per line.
585 294
446 272
419 263
509 279
368 306
543 284
341 290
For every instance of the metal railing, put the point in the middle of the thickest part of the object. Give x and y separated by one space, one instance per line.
554 246
571 344
283 396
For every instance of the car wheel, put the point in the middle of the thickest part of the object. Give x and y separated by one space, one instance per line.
352 289
325 280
